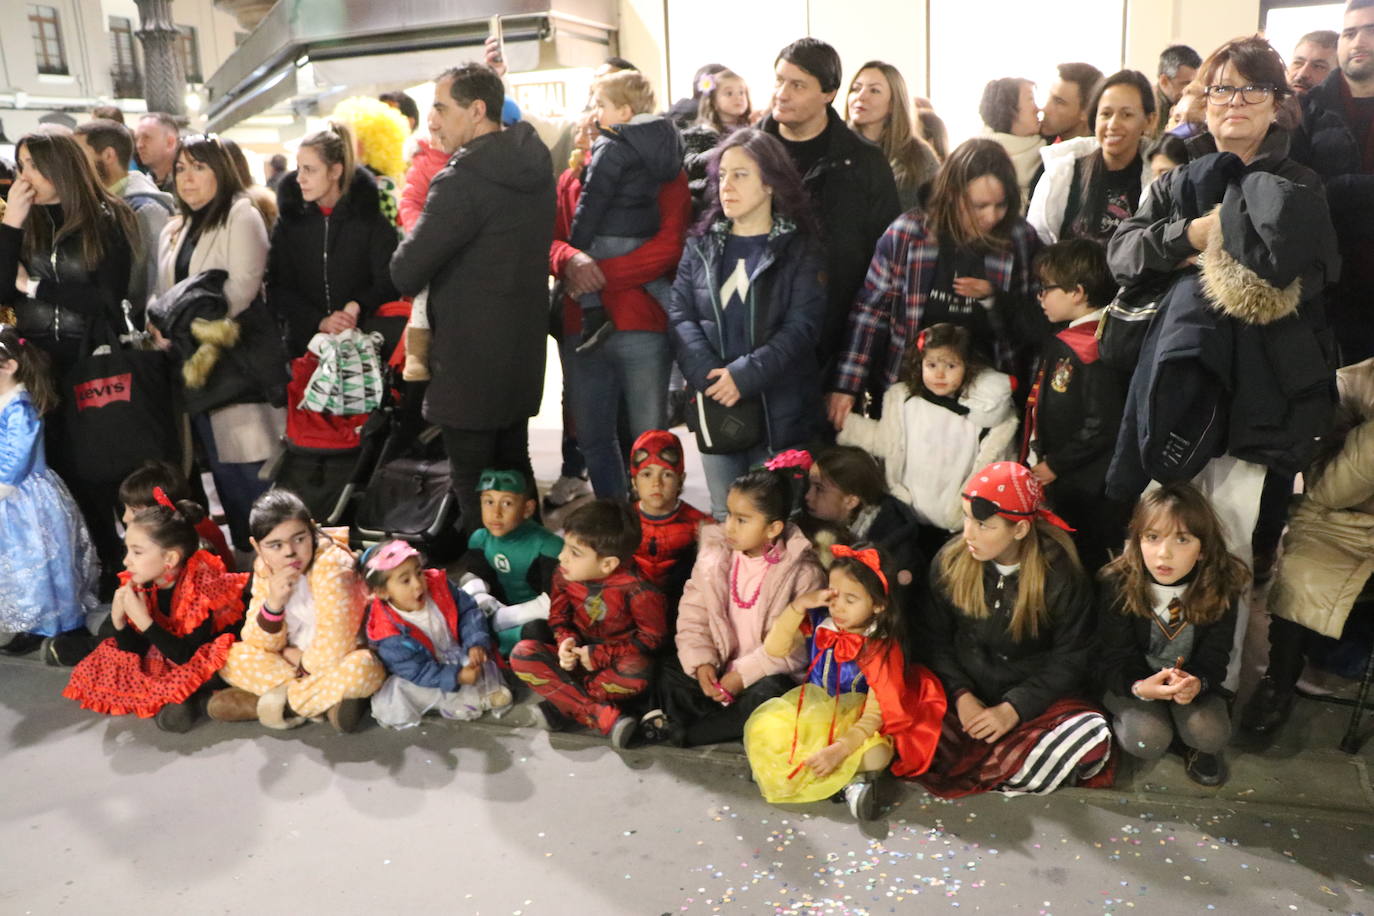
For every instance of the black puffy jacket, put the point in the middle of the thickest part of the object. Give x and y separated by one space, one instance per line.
628 166
318 264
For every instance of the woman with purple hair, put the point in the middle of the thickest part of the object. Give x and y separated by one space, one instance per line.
747 307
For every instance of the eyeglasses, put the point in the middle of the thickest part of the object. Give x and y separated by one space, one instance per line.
1050 286
1251 95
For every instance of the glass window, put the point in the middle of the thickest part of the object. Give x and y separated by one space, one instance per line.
1284 25
189 49
128 84
46 30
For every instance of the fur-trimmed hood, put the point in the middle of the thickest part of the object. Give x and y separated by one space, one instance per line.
1273 248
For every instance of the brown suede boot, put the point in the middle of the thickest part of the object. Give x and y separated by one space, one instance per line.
233 705
417 355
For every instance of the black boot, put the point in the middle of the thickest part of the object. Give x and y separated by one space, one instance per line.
1268 708
178 717
66 649
22 644
1205 769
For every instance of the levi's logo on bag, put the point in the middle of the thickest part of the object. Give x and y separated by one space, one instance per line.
99 392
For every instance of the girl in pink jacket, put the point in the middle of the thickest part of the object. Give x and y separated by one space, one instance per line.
748 570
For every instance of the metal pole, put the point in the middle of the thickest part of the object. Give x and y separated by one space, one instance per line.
164 80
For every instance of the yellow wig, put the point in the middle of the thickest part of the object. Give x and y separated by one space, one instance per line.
381 132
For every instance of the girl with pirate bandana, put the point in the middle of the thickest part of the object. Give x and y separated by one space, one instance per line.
1010 627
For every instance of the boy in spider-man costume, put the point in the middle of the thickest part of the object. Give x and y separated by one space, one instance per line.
668 526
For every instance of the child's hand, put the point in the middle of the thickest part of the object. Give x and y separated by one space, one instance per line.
477 656
969 707
706 677
567 655
280 582
824 761
1186 686
1042 473
1158 686
136 612
733 683
468 674
118 616
993 722
584 656
821 597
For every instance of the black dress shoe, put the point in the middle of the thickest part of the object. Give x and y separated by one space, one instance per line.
177 717
1205 769
1268 708
22 644
66 649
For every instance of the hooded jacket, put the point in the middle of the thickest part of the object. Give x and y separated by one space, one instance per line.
318 264
1238 360
152 208
1050 202
628 165
855 199
482 247
424 165
786 301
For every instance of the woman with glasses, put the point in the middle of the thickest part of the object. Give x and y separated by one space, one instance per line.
1233 381
1092 183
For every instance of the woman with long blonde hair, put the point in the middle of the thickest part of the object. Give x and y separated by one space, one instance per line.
878 108
1010 627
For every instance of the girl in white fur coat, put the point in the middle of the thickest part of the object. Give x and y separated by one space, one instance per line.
948 416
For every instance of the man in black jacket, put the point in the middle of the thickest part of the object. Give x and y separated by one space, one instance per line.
850 183
1337 142
482 247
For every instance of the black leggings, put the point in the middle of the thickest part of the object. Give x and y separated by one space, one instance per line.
703 720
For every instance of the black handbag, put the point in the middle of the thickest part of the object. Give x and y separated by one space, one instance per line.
722 430
118 407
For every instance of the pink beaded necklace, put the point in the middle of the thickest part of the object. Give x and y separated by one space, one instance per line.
772 557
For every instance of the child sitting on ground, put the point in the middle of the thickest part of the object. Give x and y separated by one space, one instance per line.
668 526
1074 410
48 566
513 556
808 745
432 638
605 624
949 415
136 494
1167 618
635 154
175 615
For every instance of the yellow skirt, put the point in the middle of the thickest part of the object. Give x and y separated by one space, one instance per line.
768 742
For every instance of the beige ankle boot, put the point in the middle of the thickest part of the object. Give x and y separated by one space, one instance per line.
417 355
233 705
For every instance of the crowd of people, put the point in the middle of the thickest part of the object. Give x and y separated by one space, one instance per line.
996 437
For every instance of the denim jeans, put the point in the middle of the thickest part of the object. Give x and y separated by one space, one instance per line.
722 470
238 483
631 367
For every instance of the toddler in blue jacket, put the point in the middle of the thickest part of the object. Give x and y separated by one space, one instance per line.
431 637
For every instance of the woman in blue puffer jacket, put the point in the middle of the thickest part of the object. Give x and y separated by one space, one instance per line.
748 304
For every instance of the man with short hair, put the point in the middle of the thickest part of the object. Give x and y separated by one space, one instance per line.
1178 66
481 245
850 183
109 147
1313 60
1337 141
1065 115
155 139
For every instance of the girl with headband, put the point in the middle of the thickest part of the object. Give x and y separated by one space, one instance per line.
860 703
175 615
48 568
948 415
1010 629
432 638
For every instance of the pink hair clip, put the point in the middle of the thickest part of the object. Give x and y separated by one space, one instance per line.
390 556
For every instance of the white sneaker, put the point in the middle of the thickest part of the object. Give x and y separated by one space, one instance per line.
862 798
565 490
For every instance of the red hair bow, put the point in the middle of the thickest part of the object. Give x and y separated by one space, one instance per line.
868 557
160 496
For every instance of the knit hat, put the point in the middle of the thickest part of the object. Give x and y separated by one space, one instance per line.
1010 490
656 446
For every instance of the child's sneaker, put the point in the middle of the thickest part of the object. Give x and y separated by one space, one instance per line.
548 717
862 797
623 732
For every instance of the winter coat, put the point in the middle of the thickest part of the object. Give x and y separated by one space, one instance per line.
424 165
1050 203
1123 639
482 248
854 197
1238 359
68 294
407 652
243 432
627 302
785 299
706 632
978 655
628 165
1328 551
951 446
318 264
891 308
1024 153
152 208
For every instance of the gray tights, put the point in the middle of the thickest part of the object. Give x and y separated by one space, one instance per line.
1145 729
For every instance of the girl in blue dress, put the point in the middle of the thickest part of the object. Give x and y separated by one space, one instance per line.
48 568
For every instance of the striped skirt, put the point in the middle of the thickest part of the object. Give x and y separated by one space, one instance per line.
1068 743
